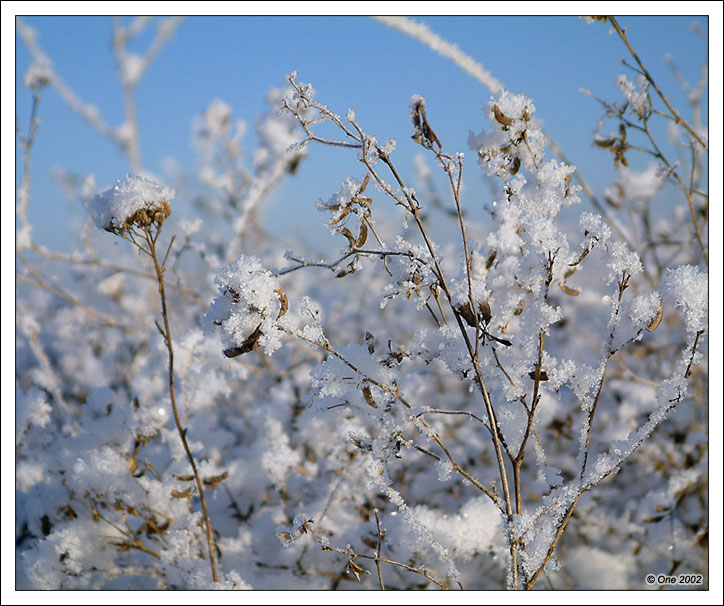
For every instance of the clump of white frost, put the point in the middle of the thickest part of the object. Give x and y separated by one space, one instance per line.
688 287
636 96
247 311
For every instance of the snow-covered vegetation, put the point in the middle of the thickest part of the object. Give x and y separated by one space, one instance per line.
521 405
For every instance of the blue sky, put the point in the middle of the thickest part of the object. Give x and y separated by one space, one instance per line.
352 62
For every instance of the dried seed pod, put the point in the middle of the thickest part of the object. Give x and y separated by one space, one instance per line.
370 340
364 184
350 238
568 186
485 314
362 238
346 271
525 116
541 376
251 343
182 494
491 258
367 393
341 217
583 256
519 310
467 313
356 570
184 478
571 292
500 117
515 166
214 481
569 272
284 302
604 142
656 320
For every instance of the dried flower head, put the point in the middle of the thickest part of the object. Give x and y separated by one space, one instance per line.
135 201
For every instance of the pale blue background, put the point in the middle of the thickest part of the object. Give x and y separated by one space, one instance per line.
351 61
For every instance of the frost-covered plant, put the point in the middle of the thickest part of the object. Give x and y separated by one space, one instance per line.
522 404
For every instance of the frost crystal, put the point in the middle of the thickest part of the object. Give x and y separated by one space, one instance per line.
688 287
134 200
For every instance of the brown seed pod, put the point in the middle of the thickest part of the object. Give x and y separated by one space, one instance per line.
515 166
362 238
542 375
364 184
568 186
284 302
367 393
182 494
184 478
214 481
251 343
350 238
485 314
571 292
656 320
500 117
604 142
467 313
491 258
583 256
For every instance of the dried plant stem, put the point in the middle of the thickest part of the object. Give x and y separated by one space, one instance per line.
150 239
647 75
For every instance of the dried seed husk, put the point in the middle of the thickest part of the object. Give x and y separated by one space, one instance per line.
571 292
364 184
182 494
184 478
515 166
485 313
214 481
656 320
251 343
467 313
362 238
583 256
491 258
500 117
283 301
604 142
367 393
542 375
350 238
